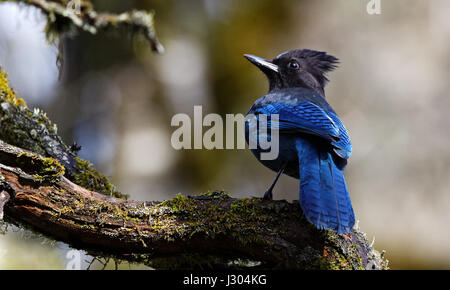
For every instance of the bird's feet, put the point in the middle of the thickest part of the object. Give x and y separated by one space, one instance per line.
268 195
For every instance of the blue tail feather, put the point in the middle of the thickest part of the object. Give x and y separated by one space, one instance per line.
324 196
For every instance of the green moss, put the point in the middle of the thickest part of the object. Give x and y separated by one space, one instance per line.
53 165
339 253
93 180
214 217
27 129
43 169
19 125
88 227
79 203
7 94
66 209
216 195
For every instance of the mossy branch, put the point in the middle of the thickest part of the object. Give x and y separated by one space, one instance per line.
69 16
215 230
33 131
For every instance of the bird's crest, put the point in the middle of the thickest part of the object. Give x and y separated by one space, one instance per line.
319 62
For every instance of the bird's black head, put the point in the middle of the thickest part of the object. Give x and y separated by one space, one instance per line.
297 68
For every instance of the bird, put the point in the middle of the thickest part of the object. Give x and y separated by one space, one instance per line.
314 145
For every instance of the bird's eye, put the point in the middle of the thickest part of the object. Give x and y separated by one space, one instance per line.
293 65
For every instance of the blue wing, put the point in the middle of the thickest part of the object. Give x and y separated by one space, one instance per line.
305 117
343 147
309 118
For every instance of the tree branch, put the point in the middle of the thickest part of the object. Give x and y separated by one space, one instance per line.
216 226
71 16
37 190
33 131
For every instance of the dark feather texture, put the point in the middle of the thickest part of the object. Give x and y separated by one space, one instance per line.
319 63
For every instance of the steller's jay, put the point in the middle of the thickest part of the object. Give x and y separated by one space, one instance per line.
313 143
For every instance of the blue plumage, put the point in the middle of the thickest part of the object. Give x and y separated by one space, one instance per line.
314 143
323 192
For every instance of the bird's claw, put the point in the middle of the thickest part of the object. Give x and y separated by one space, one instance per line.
268 195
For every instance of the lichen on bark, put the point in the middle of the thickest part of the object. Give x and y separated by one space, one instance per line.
32 130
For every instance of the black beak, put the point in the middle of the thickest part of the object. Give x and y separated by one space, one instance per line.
261 63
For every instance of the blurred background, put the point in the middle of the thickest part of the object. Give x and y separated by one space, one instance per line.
116 99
